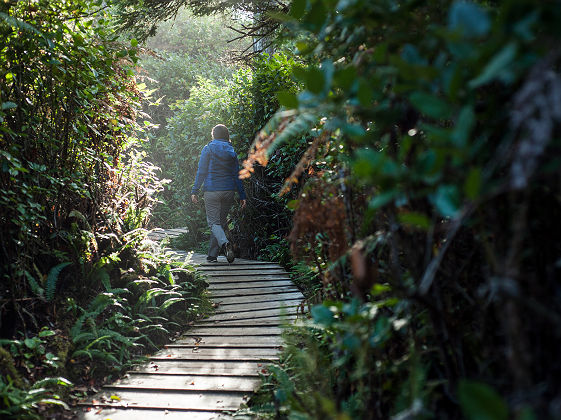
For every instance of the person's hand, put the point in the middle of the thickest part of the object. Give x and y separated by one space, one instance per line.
243 203
194 199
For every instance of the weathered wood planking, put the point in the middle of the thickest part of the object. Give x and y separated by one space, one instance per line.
202 367
245 272
256 306
212 368
142 414
252 314
233 268
254 292
235 300
186 382
249 285
166 400
229 341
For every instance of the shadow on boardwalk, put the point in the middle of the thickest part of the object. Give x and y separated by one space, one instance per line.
215 366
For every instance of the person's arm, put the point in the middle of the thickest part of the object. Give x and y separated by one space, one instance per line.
202 172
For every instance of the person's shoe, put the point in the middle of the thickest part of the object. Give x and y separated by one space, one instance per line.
229 252
211 259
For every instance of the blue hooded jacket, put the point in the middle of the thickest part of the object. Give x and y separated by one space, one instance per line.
218 169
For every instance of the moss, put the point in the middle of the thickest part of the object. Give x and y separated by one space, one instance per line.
8 368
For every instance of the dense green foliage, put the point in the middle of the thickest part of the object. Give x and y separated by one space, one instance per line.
431 217
183 51
413 170
244 104
75 194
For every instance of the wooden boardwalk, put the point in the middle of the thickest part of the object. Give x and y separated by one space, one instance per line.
213 368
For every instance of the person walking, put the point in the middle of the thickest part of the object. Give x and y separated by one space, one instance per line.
217 173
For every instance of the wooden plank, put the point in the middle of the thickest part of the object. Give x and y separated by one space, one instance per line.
258 306
245 272
235 300
225 353
235 279
233 331
208 268
105 413
253 322
260 313
186 382
258 320
226 341
246 284
203 357
246 279
253 292
202 367
182 400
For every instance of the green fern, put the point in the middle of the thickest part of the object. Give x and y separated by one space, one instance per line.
77 215
35 287
52 279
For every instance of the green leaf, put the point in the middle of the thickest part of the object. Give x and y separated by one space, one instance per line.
288 99
298 8
472 185
8 105
430 105
378 289
322 315
364 93
498 67
344 78
447 200
317 14
292 204
351 342
414 219
45 332
464 126
479 401
134 43
382 199
315 80
30 343
470 19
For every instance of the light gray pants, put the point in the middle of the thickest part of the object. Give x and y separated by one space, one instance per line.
217 206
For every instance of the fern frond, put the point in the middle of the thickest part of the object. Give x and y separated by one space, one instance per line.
51 381
82 352
85 336
52 279
77 215
35 287
170 302
97 340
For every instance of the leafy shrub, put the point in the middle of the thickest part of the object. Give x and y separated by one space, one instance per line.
136 312
440 184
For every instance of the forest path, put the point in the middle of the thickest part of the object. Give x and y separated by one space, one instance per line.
214 366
